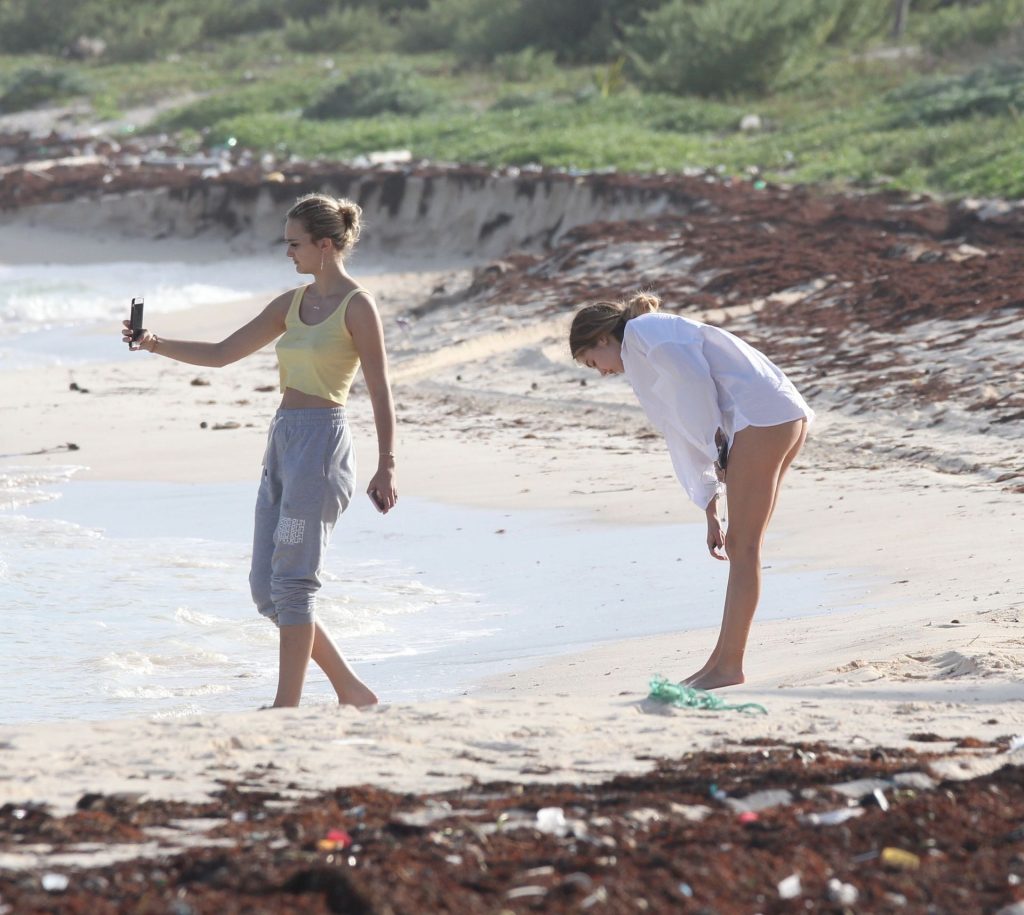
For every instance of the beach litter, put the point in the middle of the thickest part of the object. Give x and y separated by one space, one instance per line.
682 696
899 859
790 888
55 883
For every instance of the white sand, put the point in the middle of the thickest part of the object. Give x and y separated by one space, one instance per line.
933 644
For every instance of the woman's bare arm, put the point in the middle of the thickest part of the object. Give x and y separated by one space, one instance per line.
257 333
363 323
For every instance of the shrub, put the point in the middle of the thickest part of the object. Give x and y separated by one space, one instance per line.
516 100
341 30
31 86
957 26
150 36
479 31
28 26
434 28
277 95
236 17
381 89
732 46
525 65
988 91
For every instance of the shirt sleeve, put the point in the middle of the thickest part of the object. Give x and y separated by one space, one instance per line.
683 404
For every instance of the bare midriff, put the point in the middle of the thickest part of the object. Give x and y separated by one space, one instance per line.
299 400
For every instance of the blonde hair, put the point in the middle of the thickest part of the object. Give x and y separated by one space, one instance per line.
323 216
607 319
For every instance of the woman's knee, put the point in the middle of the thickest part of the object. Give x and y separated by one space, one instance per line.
743 547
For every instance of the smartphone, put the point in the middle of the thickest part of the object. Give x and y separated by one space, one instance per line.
723 454
136 321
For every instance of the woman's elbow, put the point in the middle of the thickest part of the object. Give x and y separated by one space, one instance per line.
222 355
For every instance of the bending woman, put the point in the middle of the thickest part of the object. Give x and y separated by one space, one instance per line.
327 330
717 401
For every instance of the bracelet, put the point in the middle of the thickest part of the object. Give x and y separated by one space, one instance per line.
389 454
156 343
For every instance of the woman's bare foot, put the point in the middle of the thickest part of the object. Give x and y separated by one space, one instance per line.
715 677
358 694
696 676
709 665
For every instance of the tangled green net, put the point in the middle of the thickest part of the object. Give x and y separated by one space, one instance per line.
682 696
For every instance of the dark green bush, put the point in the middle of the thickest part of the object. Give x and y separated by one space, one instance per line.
724 47
277 96
516 100
36 26
989 91
481 30
386 88
525 65
740 46
237 17
31 86
341 30
161 30
959 25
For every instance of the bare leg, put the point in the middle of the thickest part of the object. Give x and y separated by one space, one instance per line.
296 648
759 460
350 689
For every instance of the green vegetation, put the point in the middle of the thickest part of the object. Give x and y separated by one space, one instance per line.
636 85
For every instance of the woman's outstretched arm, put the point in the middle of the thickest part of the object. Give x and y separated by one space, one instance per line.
257 333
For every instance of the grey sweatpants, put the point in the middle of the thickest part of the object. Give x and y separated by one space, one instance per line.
308 480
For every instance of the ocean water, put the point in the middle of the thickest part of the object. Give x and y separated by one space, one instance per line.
127 599
124 599
43 307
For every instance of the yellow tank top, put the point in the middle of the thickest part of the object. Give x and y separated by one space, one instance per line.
318 359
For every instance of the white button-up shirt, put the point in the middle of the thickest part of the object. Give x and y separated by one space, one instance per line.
693 379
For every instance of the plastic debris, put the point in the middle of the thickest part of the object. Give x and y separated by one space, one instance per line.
831 817
644 815
694 813
842 893
876 798
790 888
55 883
900 859
551 820
682 696
335 840
526 892
861 787
760 800
686 890
917 781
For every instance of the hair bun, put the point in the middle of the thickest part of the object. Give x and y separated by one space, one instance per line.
641 303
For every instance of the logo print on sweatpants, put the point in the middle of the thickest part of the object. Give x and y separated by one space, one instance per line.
290 530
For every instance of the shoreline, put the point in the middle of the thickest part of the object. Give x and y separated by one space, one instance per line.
494 417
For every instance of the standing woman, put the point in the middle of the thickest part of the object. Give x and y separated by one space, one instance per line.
327 330
716 400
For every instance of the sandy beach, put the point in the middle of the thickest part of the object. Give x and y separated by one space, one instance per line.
923 519
931 642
